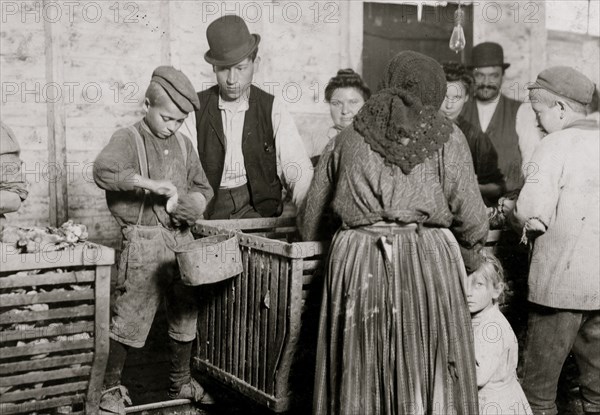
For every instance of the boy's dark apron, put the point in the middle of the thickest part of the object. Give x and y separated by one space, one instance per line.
148 270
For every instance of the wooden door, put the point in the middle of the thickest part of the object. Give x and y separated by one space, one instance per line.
392 28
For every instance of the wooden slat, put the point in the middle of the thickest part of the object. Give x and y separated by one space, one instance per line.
101 340
9 300
38 364
282 327
244 314
203 338
43 332
295 250
285 229
251 316
264 318
23 408
40 393
245 224
9 352
311 265
278 236
223 311
225 323
272 330
48 278
294 314
237 312
308 280
87 254
43 376
218 338
68 312
58 206
282 322
212 324
259 340
257 308
230 323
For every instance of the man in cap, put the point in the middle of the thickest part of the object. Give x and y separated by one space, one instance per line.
247 141
557 212
155 189
499 116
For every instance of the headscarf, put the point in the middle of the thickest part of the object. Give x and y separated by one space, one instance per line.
401 122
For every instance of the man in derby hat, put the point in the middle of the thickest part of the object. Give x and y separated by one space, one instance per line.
155 189
494 112
247 141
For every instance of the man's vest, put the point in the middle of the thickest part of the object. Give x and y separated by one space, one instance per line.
258 148
503 133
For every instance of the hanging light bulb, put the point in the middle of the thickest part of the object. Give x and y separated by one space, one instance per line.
457 40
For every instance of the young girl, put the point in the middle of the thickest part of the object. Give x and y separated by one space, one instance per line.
496 348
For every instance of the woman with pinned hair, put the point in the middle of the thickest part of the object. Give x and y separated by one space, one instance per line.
345 93
395 332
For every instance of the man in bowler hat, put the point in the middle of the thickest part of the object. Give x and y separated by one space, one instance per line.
247 141
495 113
155 189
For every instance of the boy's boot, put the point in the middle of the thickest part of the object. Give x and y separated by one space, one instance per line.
114 395
183 386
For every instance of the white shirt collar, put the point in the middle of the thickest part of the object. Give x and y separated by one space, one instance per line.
239 105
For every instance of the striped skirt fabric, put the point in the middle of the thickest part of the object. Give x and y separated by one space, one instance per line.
395 332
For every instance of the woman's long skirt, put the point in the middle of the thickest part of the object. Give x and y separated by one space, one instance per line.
395 332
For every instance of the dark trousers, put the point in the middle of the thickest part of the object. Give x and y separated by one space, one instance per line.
234 203
551 335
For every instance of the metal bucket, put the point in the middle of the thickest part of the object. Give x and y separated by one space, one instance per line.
208 260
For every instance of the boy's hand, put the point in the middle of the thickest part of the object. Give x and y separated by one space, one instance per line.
164 188
190 208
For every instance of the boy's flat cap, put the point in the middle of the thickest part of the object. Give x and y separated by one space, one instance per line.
566 82
178 87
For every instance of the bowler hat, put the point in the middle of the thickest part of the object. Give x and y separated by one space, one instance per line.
566 82
230 41
488 54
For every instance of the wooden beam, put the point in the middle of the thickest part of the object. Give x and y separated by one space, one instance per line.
57 148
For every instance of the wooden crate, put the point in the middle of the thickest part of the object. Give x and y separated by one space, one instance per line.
54 316
257 331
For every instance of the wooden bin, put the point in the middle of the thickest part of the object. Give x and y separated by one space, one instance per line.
256 331
54 316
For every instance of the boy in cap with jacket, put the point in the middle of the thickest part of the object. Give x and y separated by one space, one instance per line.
557 212
247 141
155 189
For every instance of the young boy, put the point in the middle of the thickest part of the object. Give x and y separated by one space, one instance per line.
155 188
557 210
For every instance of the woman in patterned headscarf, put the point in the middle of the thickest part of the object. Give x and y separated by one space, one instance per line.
395 333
